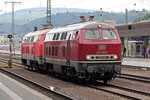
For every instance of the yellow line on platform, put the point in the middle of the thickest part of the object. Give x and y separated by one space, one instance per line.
6 66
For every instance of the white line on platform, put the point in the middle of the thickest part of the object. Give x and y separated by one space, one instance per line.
9 92
43 97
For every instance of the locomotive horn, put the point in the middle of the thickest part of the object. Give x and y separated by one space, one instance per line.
82 18
91 18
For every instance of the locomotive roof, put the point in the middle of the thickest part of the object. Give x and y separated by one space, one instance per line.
89 24
85 25
37 32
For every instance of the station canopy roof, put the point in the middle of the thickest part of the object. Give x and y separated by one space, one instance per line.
134 29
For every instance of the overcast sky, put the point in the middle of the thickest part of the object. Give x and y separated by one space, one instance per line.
106 5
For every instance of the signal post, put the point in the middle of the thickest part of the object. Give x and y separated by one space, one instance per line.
10 58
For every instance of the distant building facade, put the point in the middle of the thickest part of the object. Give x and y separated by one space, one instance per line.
3 38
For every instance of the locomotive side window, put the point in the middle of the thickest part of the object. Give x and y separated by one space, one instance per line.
57 36
32 39
37 38
62 36
65 36
109 34
54 37
92 35
28 39
69 35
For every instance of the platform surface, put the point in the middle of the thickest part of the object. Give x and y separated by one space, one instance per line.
11 89
140 62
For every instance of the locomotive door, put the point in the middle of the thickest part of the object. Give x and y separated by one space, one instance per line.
68 49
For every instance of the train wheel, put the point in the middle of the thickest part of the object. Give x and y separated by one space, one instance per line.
28 67
105 81
87 76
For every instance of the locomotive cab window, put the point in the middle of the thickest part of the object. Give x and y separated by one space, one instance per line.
75 35
24 39
109 34
91 35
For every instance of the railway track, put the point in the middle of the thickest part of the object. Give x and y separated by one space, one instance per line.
13 57
53 94
45 90
15 63
114 89
135 78
122 91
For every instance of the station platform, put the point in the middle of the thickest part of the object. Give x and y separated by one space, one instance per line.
11 89
139 62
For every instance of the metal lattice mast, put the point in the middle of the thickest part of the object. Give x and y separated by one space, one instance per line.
48 12
12 29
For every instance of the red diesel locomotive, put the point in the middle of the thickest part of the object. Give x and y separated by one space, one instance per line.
88 50
32 47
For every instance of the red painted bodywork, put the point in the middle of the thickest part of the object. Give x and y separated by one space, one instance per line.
33 48
80 48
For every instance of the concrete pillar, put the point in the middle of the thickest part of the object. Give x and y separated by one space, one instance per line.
145 42
122 40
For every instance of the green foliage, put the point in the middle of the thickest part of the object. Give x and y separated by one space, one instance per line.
146 17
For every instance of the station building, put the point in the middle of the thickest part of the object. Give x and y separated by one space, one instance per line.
136 37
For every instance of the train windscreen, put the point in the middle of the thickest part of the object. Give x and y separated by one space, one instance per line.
92 35
109 34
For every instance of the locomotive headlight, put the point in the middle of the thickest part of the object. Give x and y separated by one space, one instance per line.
88 57
115 57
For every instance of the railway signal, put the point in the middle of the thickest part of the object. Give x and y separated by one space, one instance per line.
10 58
